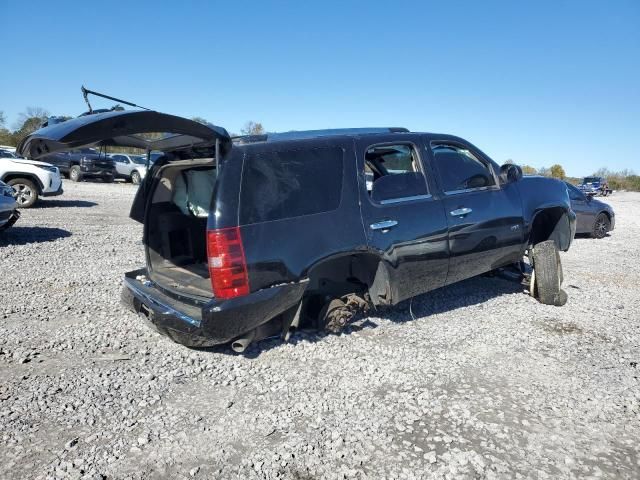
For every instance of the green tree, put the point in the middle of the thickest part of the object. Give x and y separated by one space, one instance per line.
529 170
252 128
557 171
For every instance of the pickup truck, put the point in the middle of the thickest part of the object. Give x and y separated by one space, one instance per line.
83 163
266 234
595 186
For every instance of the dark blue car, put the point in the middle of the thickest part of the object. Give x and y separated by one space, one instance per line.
593 217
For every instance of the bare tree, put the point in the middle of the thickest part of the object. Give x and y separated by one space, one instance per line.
3 120
31 113
252 128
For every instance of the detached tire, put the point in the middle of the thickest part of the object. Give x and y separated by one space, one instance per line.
548 275
26 192
75 175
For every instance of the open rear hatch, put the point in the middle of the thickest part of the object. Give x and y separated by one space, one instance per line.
125 129
173 200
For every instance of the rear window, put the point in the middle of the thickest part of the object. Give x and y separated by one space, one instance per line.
291 183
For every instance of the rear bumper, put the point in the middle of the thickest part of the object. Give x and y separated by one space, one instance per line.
214 322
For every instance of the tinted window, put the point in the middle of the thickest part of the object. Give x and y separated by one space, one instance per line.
459 169
286 184
574 193
392 172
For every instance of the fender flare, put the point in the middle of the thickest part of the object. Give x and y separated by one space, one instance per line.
27 176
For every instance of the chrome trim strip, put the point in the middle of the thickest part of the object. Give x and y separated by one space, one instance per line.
165 309
467 190
404 199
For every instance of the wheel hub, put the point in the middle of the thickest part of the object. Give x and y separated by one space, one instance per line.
23 194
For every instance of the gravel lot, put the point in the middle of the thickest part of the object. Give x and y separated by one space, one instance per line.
484 383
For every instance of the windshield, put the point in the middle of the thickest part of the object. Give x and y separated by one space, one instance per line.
6 154
591 180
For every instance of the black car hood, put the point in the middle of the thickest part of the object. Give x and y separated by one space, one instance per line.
122 129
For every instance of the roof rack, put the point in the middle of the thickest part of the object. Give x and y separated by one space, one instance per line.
304 134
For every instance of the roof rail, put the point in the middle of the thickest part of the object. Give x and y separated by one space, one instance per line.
304 134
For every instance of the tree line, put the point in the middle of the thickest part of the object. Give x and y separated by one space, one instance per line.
618 180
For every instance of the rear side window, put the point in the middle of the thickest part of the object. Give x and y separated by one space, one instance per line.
291 183
459 169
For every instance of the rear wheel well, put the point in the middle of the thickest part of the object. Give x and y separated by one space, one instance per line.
334 278
25 176
551 224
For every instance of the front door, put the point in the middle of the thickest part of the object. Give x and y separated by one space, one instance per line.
404 223
485 218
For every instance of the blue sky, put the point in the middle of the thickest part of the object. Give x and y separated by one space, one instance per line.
540 82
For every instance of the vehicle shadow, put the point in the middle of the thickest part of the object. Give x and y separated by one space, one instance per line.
466 293
18 235
66 203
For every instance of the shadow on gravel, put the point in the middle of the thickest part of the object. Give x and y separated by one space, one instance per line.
469 292
66 203
17 235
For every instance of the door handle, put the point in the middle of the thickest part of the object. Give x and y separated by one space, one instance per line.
384 225
459 212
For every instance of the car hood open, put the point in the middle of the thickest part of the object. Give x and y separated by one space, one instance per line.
123 129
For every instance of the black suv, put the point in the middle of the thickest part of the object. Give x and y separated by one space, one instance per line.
262 235
81 163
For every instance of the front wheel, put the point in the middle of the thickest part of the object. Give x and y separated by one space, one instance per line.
135 177
26 192
547 274
75 175
601 226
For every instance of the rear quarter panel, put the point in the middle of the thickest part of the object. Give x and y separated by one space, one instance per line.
540 193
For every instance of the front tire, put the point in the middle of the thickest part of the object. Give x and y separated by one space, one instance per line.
548 276
75 175
26 192
135 177
601 226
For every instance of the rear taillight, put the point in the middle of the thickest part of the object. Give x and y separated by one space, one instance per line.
227 265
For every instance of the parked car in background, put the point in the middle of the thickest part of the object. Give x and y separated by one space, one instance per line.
130 167
595 186
246 240
593 216
8 206
83 163
30 179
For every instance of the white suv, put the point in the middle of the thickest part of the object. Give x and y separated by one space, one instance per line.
29 178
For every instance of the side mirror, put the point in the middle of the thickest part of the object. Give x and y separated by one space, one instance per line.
510 173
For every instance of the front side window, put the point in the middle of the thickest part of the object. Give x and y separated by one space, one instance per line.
291 183
393 173
459 169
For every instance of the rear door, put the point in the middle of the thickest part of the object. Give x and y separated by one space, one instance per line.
485 218
404 222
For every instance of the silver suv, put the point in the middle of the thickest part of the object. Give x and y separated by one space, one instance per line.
130 167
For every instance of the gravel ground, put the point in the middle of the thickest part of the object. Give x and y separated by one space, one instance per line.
484 383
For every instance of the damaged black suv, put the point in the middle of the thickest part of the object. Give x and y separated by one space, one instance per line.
259 235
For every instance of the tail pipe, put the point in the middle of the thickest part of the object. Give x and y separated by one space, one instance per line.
239 345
